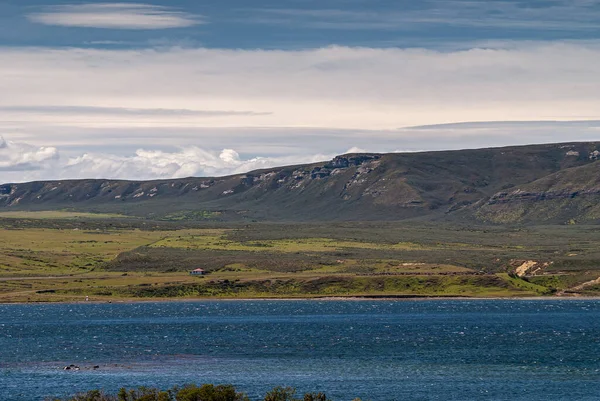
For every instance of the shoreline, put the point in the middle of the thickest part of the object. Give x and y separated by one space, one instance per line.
350 298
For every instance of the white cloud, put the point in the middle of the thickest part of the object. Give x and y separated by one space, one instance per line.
19 157
115 16
22 162
190 161
356 149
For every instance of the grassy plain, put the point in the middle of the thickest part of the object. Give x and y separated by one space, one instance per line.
58 214
44 258
56 251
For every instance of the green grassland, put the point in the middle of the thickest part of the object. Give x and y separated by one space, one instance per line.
65 258
58 214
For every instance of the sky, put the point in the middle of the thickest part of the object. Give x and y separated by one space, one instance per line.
168 89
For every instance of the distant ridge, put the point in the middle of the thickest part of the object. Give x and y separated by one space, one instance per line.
553 183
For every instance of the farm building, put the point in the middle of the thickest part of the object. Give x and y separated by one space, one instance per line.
198 272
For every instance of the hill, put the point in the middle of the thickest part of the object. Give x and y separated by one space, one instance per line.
568 195
537 183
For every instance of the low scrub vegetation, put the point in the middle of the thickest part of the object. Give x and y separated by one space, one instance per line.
206 392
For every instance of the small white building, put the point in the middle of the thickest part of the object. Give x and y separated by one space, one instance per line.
198 272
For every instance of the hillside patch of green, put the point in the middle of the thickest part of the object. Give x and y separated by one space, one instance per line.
60 214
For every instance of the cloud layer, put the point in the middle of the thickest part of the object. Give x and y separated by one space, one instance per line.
20 157
334 87
99 107
20 161
23 162
114 16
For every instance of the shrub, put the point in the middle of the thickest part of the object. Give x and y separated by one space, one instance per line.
315 397
206 392
209 392
281 394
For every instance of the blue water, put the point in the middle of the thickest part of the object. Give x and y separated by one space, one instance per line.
377 350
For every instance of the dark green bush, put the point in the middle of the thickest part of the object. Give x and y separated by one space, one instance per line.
206 392
281 394
209 392
315 397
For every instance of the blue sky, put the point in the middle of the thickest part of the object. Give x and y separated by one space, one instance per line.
154 89
293 24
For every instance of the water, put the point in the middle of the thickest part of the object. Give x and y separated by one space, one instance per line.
378 350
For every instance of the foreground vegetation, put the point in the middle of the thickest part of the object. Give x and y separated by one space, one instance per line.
70 257
206 392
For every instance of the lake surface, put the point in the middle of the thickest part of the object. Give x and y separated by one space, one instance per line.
377 350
